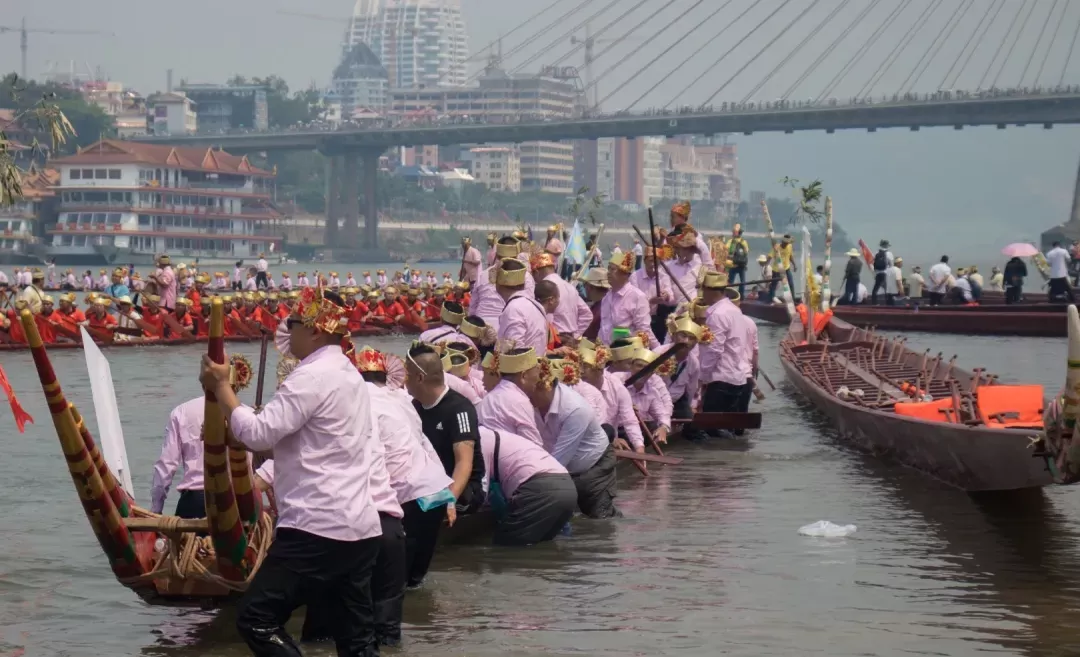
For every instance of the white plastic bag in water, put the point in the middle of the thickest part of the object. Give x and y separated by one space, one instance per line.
826 529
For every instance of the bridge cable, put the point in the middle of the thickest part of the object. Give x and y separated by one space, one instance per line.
1038 42
935 47
1068 57
762 51
978 26
828 51
1053 39
581 44
1019 32
899 49
695 53
527 21
633 77
810 35
614 43
856 58
1001 45
727 52
696 27
566 35
527 42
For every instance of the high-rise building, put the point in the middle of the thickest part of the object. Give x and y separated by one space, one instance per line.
422 43
360 82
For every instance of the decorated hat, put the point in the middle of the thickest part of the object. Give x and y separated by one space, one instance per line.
490 362
598 357
508 275
597 277
163 259
541 260
853 253
152 298
463 286
452 313
466 241
474 328
181 266
184 301
37 275
520 235
715 280
510 363
564 369
69 297
202 278
685 324
124 300
368 359
381 271
320 313
625 351
226 298
458 364
762 259
119 271
48 299
682 209
507 250
685 238
491 237
623 260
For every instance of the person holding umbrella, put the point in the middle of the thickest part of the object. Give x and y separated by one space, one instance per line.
1016 270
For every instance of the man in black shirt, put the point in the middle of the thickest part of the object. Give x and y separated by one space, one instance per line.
449 422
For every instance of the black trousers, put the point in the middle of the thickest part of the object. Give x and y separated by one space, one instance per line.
260 279
300 567
1059 290
596 487
387 592
879 283
935 298
659 321
851 292
740 272
192 504
421 535
538 510
1013 294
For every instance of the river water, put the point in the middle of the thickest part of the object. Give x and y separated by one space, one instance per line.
706 561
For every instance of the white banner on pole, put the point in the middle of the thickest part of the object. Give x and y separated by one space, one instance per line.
110 434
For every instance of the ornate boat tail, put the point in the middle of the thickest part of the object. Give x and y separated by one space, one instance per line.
248 500
226 531
826 291
119 496
1058 444
789 299
97 501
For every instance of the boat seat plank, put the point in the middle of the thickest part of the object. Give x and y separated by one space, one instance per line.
868 378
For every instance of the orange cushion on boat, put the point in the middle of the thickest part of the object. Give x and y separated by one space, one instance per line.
929 411
1025 401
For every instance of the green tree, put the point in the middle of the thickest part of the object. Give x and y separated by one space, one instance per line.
24 97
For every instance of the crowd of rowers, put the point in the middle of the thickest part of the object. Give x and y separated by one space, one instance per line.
370 456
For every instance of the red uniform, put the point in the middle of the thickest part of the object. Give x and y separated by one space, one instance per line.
356 315
155 319
229 329
15 330
196 300
389 311
71 320
433 311
185 321
202 327
103 321
45 327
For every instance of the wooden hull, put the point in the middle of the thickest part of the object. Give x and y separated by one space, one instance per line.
976 320
970 458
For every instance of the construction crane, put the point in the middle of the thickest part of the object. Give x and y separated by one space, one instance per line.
590 43
23 32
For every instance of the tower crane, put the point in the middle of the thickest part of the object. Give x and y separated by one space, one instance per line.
24 31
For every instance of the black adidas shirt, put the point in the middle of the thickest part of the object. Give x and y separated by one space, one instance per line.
450 421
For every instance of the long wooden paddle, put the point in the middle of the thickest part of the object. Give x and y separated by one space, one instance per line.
649 458
646 371
656 254
722 421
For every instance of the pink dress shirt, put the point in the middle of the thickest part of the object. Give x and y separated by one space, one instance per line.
472 260
319 425
687 376
476 380
647 284
168 280
520 459
652 401
303 281
183 446
524 321
414 473
491 257
620 408
704 255
486 302
286 283
554 246
595 399
462 387
687 276
507 408
572 315
727 357
627 308
752 331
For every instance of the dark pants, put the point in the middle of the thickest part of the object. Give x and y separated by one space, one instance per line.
773 284
192 504
682 409
637 262
890 299
879 284
300 567
790 281
237 285
1013 294
1059 290
596 487
744 400
260 279
935 298
659 322
538 510
851 292
421 535
721 397
387 592
739 271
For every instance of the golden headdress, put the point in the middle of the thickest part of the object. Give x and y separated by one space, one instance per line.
509 277
368 359
682 209
565 370
685 324
452 313
647 356
598 357
715 281
507 363
624 260
626 351
320 313
490 362
541 260
687 237
456 364
507 250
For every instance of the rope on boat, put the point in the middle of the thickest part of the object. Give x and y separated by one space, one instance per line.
188 553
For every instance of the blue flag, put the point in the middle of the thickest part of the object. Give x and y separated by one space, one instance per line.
575 246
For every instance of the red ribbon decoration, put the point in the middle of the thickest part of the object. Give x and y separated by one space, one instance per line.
21 416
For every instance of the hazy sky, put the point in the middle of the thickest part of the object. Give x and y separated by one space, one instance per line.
981 186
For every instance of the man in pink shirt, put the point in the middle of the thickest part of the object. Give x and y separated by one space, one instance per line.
572 316
182 447
680 217
684 383
651 397
554 246
470 261
523 321
726 368
486 301
506 407
319 426
166 280
491 256
751 333
625 306
645 280
618 409
539 493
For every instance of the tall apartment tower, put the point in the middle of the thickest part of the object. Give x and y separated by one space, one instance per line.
421 43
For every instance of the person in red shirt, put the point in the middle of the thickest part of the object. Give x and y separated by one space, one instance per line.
46 319
182 315
202 322
358 314
389 311
96 315
412 301
433 308
463 294
10 323
253 313
68 315
197 293
153 315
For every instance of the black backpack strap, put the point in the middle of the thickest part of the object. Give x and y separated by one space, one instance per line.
495 474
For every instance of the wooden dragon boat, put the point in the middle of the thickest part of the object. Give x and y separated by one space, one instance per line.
164 559
967 429
1033 321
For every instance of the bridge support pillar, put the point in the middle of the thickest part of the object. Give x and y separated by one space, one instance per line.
333 200
1074 216
371 197
350 185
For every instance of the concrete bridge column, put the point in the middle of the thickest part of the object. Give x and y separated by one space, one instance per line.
371 200
350 186
1074 216
333 200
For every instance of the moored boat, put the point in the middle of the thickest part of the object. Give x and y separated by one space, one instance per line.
967 429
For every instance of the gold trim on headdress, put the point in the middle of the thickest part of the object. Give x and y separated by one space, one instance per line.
586 343
565 370
682 209
368 359
684 324
624 260
490 362
715 281
472 330
508 277
451 317
459 364
541 260
598 357
507 250
517 363
686 239
626 352
318 312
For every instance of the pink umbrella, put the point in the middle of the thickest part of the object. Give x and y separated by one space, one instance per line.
1020 250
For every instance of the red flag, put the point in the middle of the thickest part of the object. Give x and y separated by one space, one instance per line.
21 416
867 254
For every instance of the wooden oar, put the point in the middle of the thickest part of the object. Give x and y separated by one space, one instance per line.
260 457
767 379
649 439
650 458
656 254
660 262
653 366
722 421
